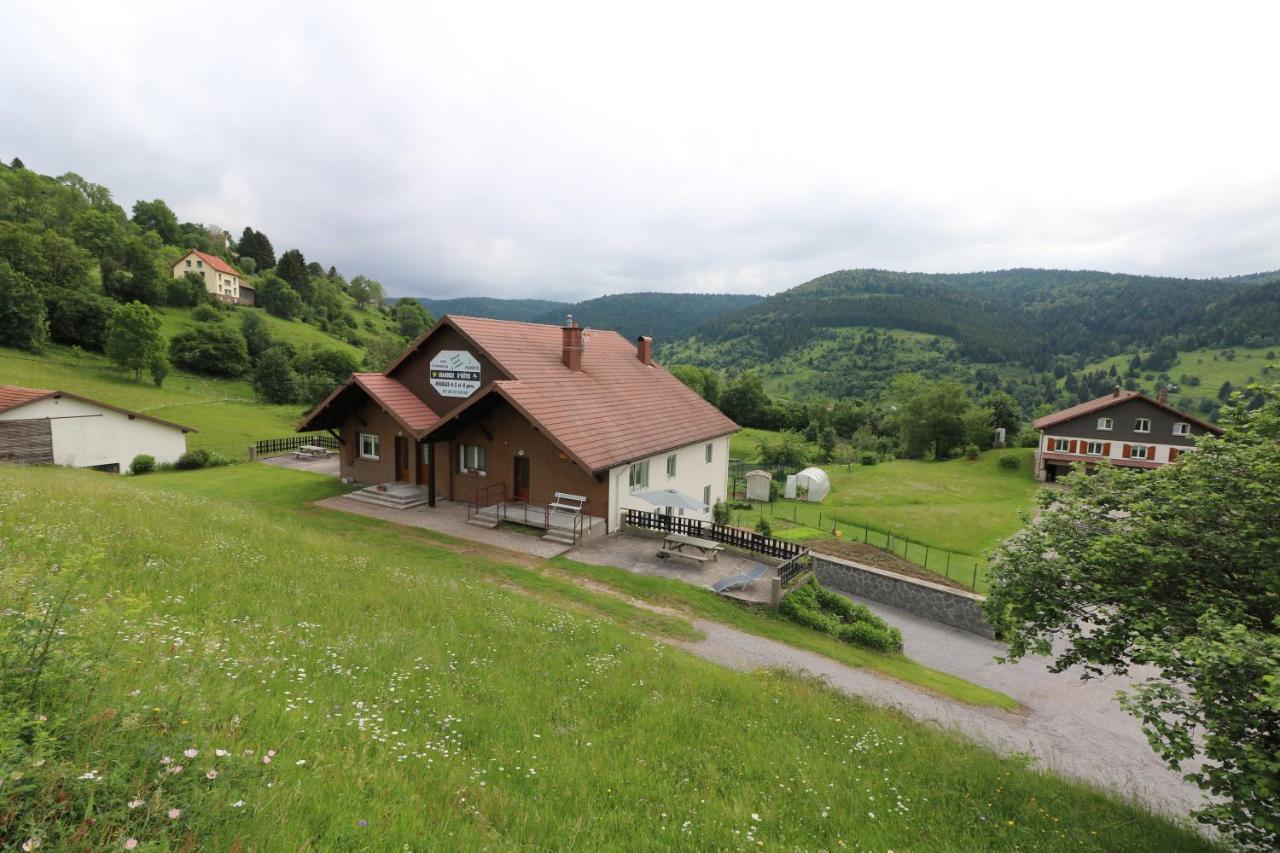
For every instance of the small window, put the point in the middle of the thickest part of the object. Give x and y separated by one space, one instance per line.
188 262
1181 429
671 465
706 498
1062 445
709 452
200 264
1140 451
1094 448
471 459
1142 425
1105 424
369 446
639 475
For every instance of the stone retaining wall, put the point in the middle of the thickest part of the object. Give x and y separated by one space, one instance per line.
954 607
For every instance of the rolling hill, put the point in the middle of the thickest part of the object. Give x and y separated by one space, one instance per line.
527 310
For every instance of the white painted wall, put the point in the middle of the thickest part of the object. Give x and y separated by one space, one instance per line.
85 435
1158 453
693 473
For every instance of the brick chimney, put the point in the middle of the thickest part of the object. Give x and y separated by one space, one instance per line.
644 349
571 344
1163 396
1116 391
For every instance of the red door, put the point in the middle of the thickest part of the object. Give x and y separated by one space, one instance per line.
520 480
402 459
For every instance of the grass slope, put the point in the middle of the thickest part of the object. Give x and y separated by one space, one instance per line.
299 334
1213 366
412 696
223 410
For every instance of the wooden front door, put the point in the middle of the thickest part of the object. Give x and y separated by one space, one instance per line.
402 459
424 466
520 480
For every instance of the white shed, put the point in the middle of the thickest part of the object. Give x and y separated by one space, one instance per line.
758 483
812 484
38 426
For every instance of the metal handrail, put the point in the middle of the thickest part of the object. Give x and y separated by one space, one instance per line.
482 498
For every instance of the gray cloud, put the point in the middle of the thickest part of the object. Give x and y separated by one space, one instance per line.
569 150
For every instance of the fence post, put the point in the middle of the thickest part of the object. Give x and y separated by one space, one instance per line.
926 556
866 535
974 585
948 564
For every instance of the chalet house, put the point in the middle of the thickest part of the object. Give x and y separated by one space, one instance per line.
1124 428
41 427
481 410
220 278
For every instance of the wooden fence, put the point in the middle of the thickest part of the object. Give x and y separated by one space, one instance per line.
746 539
273 446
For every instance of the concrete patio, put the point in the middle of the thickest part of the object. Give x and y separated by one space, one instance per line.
636 551
316 464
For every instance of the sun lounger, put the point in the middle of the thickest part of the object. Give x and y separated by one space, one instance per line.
749 579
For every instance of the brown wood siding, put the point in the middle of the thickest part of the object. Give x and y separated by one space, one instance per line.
415 371
509 433
1123 415
26 442
375 420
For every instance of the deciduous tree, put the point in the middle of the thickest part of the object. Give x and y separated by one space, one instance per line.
22 312
133 337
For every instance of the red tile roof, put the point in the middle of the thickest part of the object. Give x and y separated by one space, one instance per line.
615 410
12 396
214 261
1114 399
401 403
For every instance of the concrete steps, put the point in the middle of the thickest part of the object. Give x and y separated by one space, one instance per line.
402 497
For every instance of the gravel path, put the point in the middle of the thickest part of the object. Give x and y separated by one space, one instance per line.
1072 728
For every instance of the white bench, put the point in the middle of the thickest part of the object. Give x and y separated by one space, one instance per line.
572 504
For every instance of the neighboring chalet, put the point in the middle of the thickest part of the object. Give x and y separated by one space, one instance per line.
220 278
1124 428
56 428
523 414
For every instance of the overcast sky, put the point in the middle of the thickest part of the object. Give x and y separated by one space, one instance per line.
570 150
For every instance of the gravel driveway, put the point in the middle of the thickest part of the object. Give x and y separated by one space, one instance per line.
1072 728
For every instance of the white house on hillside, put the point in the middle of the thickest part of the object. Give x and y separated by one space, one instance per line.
220 278
38 426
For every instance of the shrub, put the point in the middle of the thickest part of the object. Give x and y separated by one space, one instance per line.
869 636
214 350
971 452
142 464
205 313
763 528
200 458
1010 461
823 610
720 513
867 458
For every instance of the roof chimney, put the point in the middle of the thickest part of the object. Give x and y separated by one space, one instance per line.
1163 396
1116 391
571 344
644 349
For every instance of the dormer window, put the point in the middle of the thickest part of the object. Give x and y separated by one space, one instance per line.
1142 425
1105 424
1183 429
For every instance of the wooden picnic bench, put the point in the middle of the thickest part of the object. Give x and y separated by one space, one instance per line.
701 550
311 451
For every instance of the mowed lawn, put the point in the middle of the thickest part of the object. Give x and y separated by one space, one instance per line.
356 688
224 412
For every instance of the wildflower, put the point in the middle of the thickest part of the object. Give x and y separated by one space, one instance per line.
38 763
755 816
130 844
238 804
90 775
212 774
133 804
221 753
271 753
174 814
41 718
191 753
363 824
300 762
31 843
177 768
266 759
166 760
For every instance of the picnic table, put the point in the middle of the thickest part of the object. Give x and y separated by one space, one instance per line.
311 451
679 545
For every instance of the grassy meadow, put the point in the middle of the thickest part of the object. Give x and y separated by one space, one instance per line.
299 334
1213 366
232 670
223 410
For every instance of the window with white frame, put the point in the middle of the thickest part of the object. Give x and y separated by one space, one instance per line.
1181 429
671 465
1062 445
1140 451
188 262
1142 425
199 264
639 475
706 498
709 452
471 459
369 446
1094 448
1106 424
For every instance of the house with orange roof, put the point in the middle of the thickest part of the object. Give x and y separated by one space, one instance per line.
1124 428
220 278
495 412
39 426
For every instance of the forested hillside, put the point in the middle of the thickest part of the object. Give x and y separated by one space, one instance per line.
526 310
663 316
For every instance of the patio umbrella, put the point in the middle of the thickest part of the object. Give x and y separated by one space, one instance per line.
668 497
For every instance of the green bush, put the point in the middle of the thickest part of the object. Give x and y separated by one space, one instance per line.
971 452
720 513
763 528
869 636
831 613
1010 461
205 313
200 458
142 464
867 458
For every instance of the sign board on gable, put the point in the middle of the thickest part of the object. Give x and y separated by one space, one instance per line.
455 373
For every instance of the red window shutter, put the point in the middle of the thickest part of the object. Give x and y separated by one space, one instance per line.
1128 451
1106 448
1173 454
1072 449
